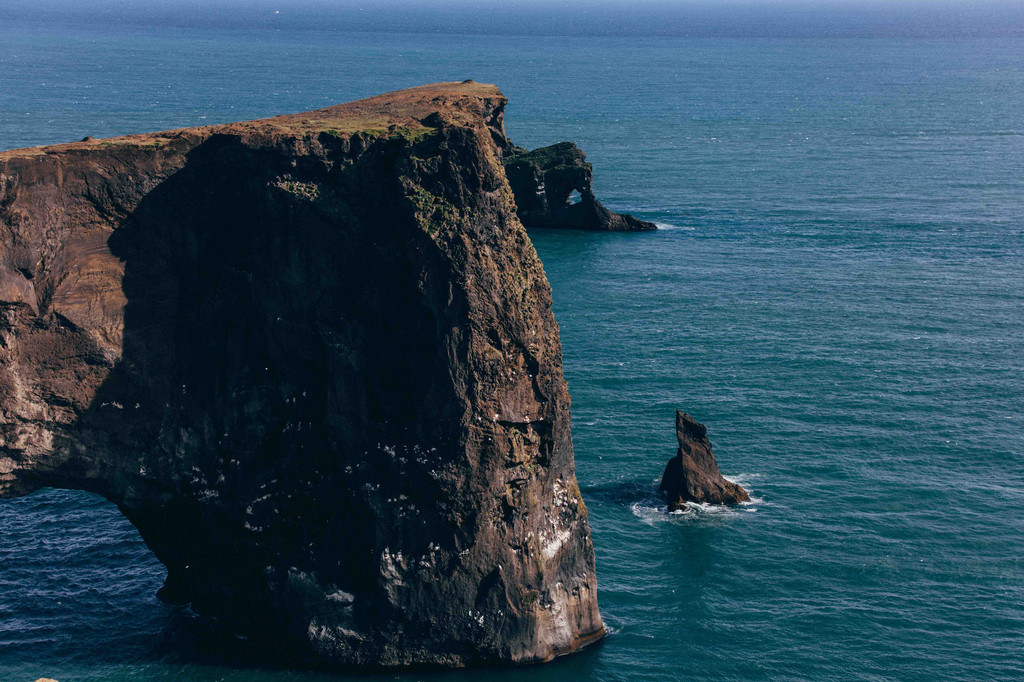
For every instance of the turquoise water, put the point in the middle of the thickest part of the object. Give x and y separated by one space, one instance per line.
838 293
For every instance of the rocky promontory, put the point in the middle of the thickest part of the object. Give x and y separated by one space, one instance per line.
693 475
312 359
553 187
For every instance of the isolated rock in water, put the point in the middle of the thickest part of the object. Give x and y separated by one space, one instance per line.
544 181
312 358
693 475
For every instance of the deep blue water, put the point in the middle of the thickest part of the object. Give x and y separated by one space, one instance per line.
838 293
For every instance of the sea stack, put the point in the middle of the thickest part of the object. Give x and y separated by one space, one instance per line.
544 181
312 359
693 475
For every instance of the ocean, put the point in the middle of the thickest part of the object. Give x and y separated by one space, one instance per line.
837 292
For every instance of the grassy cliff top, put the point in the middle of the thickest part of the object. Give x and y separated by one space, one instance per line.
559 154
399 112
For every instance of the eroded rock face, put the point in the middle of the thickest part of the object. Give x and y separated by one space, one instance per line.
693 475
544 181
313 360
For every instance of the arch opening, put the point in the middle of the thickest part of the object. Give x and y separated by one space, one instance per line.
78 589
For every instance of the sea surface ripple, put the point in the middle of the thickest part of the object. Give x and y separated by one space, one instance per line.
837 292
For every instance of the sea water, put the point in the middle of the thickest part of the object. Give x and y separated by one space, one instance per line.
837 292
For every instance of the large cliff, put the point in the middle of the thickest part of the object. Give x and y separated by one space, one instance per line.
312 358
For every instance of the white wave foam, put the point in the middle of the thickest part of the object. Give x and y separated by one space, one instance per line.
743 479
670 226
694 513
706 508
648 514
651 511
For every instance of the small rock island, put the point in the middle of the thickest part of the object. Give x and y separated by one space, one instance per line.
547 180
693 475
312 359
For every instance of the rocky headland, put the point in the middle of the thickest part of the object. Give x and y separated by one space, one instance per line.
312 359
693 475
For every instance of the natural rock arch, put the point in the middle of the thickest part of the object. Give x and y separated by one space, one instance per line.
312 359
553 187
71 560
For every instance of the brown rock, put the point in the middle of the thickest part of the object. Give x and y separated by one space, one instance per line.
693 475
312 358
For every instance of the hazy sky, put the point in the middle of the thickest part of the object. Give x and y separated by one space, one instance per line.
798 18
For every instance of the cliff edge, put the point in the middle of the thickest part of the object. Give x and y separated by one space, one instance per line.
312 359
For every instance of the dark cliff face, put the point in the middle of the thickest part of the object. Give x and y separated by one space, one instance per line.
543 182
313 360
